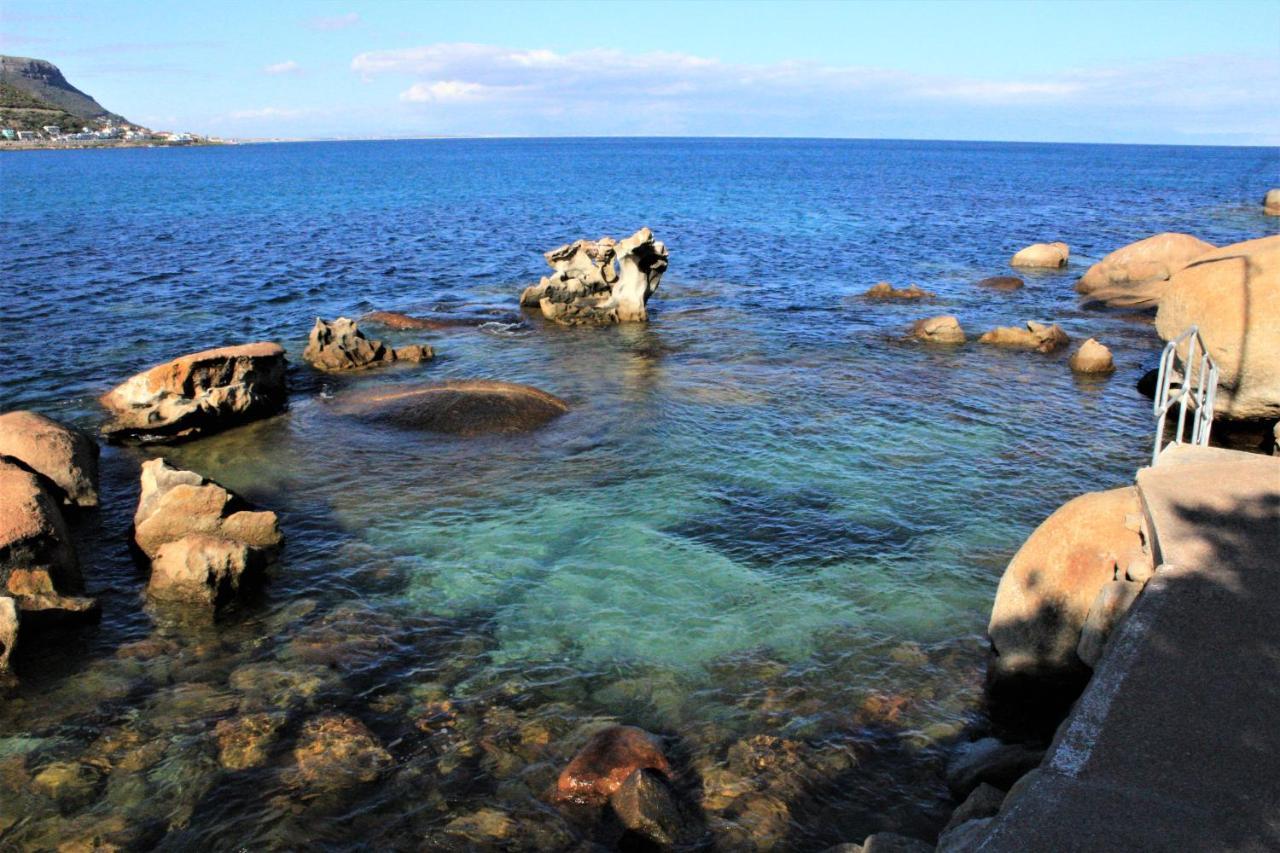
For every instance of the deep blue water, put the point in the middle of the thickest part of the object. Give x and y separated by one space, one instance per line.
764 514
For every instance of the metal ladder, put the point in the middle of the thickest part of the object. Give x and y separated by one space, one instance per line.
1196 390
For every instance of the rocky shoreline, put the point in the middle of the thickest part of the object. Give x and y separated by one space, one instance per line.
205 549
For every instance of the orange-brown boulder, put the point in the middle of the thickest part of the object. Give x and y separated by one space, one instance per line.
945 329
1046 591
1271 203
609 757
1136 275
1042 255
340 346
885 290
198 394
1036 336
67 458
1092 358
36 554
336 751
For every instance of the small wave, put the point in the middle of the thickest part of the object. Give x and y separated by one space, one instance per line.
507 329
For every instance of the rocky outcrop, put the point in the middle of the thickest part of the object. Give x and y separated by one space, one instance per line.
945 329
600 768
197 394
38 564
1136 275
205 545
66 458
1271 203
1036 336
1233 295
340 345
600 281
1005 283
1092 358
459 408
1042 255
1049 587
885 290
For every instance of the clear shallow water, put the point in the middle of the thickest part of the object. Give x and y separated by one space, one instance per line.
764 516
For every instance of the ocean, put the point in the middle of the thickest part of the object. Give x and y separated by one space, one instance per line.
768 530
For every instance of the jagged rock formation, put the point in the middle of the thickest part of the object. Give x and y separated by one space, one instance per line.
1136 275
66 458
205 545
1036 336
197 394
1233 295
340 345
600 281
1043 255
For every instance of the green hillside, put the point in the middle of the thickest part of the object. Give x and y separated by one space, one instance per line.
22 110
42 81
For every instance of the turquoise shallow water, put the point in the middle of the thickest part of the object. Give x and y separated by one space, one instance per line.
765 515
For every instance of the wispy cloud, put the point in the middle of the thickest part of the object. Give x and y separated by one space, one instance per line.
333 22
287 67
270 113
487 88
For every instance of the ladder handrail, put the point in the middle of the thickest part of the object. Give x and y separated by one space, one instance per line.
1197 387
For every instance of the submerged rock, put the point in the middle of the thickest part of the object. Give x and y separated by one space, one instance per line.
600 281
989 761
945 329
1233 295
205 545
885 290
1005 283
1136 275
67 458
1045 594
1092 357
460 408
336 751
605 762
244 741
646 805
1042 255
1036 336
197 394
340 345
70 783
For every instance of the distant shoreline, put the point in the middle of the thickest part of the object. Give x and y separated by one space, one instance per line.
57 145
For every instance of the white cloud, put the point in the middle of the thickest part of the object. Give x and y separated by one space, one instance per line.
287 67
444 90
269 112
334 22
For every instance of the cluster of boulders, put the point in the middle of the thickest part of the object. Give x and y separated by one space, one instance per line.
340 345
885 290
599 282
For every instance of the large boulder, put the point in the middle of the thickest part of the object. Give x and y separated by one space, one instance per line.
1042 255
945 329
1036 336
1136 275
1049 586
460 408
67 458
340 345
1233 295
600 281
601 767
198 394
37 559
1092 358
1271 203
204 543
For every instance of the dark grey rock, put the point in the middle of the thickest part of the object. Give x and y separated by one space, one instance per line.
983 802
965 837
892 842
646 806
989 760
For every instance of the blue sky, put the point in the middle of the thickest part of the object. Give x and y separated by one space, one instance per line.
1152 72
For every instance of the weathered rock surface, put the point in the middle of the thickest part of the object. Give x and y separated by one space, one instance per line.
1233 295
340 345
1271 202
336 751
646 805
460 408
67 458
945 329
605 762
885 290
205 545
966 837
1046 592
989 761
1092 357
244 741
10 618
600 281
1135 276
1109 607
1042 255
1004 283
1036 336
198 394
38 564
984 801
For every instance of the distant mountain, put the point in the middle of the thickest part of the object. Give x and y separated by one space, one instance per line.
43 82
